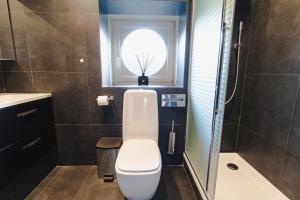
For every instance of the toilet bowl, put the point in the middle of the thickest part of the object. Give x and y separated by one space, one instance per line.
138 165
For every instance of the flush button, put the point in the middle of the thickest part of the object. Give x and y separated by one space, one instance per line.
173 100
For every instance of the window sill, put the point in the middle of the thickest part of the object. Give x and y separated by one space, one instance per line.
144 86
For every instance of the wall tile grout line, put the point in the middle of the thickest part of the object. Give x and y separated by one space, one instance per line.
261 137
292 116
28 51
86 68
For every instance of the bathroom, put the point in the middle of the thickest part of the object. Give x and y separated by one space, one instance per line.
216 112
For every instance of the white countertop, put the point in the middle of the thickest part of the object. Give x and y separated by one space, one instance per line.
11 99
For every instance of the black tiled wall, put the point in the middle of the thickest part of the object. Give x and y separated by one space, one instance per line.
51 37
269 134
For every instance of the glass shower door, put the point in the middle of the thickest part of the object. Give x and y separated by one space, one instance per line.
211 39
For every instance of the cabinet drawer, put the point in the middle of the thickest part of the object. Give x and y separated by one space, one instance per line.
34 117
33 148
15 158
26 135
20 121
8 127
9 157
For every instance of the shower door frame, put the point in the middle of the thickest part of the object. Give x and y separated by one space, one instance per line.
204 189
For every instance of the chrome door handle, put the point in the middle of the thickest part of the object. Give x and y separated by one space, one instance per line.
32 143
26 113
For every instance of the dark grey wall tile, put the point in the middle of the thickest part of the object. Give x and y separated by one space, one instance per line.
74 144
70 96
269 117
177 158
268 106
92 39
167 115
261 154
18 81
105 130
229 136
71 41
293 146
111 114
290 178
64 46
262 6
98 131
274 47
42 51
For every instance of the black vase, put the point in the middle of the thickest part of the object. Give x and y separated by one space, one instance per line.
143 80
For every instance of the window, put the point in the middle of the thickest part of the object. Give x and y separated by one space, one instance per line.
154 31
144 47
149 38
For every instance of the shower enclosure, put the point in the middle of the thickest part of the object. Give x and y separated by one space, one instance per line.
212 25
242 139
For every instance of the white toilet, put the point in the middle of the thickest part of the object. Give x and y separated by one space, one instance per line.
138 165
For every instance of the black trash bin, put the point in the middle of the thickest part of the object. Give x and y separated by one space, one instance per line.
107 149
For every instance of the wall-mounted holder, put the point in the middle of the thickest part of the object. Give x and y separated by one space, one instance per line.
173 100
104 100
171 146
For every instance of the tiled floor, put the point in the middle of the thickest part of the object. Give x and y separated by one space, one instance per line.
81 183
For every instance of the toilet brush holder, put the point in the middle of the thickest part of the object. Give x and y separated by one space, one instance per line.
172 136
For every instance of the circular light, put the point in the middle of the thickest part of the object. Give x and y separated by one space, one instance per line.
147 45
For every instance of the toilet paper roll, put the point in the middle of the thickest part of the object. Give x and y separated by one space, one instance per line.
102 101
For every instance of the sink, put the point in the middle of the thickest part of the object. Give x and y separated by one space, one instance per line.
11 99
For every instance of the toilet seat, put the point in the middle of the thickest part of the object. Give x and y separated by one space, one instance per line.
138 156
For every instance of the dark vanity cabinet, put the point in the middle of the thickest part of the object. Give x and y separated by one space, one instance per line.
28 144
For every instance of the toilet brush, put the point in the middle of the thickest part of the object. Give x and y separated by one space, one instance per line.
172 134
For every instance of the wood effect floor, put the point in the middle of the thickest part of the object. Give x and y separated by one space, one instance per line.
81 183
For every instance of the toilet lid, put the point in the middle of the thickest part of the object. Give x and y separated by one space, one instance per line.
139 156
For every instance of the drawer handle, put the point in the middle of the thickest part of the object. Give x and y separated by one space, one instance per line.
31 144
26 113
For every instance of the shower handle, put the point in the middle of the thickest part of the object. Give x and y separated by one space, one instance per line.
238 48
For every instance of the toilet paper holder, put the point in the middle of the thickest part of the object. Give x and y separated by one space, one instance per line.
109 99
